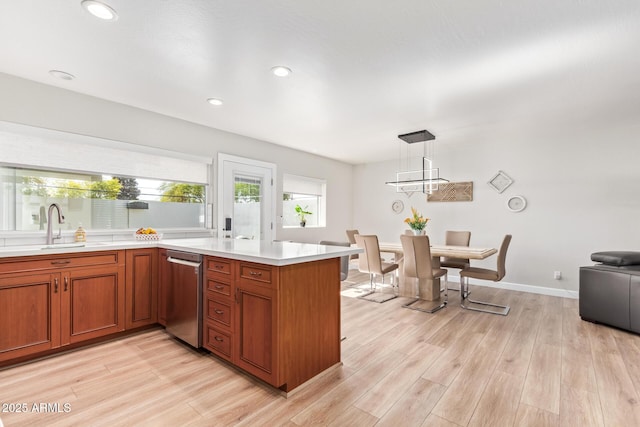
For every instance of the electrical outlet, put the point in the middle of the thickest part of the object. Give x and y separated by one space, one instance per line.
557 275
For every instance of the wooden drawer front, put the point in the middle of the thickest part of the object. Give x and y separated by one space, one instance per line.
255 273
217 341
219 288
219 312
62 261
219 268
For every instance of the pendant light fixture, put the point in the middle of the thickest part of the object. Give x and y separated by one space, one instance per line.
425 180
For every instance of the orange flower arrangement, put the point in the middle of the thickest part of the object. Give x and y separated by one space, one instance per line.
416 221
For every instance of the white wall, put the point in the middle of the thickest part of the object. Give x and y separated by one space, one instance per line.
35 104
582 188
582 191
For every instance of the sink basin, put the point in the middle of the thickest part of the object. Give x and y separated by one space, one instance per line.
64 245
73 245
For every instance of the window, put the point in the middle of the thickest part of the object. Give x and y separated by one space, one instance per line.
247 206
103 184
307 193
97 201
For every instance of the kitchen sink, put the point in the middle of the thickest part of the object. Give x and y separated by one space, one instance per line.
74 245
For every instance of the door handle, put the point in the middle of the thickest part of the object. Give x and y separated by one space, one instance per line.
55 285
66 283
183 262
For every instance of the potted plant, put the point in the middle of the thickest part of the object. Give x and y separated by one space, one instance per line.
301 214
416 222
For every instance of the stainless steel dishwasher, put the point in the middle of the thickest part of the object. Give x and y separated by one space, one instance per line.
184 302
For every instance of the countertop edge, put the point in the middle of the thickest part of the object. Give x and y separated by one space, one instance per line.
187 245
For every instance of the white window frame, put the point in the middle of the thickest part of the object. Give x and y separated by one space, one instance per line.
320 186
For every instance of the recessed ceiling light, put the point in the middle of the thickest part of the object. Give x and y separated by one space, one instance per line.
281 71
215 101
61 75
100 10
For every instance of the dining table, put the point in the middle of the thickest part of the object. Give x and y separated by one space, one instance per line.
431 290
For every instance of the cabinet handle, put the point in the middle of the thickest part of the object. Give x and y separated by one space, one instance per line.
59 262
218 339
218 267
255 273
55 285
218 311
219 287
66 283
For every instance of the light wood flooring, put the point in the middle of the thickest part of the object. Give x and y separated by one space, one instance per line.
541 365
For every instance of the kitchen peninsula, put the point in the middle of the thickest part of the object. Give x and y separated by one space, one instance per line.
270 308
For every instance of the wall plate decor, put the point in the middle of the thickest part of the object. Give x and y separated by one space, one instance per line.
452 192
397 206
516 203
500 182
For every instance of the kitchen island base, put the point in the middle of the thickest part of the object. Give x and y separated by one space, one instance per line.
278 323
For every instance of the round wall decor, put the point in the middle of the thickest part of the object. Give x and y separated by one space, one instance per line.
397 206
516 203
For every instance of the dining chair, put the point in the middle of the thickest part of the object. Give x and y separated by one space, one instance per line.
485 274
344 260
417 265
456 238
371 262
352 239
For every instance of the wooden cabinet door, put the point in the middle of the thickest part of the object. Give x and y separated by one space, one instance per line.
29 314
141 287
93 303
164 275
255 332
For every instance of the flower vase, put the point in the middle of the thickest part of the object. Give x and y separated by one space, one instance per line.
418 232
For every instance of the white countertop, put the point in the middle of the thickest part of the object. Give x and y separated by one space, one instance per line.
263 252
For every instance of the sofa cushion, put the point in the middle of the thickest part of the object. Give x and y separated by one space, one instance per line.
617 258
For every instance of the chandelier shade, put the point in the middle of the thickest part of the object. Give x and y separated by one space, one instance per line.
423 180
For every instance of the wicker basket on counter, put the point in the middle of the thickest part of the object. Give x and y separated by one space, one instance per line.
147 237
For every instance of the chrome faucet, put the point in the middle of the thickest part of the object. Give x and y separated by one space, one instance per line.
50 223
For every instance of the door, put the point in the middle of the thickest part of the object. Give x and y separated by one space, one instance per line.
141 287
164 276
246 205
255 341
93 303
29 314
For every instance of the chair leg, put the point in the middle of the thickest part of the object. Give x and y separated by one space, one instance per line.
373 290
396 283
442 305
454 289
464 296
446 288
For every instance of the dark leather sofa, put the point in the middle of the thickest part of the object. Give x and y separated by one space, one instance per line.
610 290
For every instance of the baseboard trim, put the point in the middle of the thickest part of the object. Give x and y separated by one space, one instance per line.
554 292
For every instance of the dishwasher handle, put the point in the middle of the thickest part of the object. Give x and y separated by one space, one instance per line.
183 262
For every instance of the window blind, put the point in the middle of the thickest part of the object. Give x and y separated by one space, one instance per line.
302 185
49 149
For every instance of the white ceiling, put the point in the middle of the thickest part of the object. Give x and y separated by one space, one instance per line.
364 71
